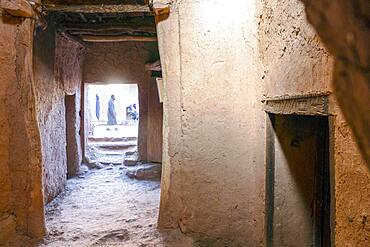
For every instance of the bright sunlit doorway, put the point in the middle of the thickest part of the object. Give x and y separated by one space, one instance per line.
111 122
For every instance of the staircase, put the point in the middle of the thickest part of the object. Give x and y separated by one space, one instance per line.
112 150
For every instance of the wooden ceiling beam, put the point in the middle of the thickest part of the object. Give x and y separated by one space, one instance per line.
118 8
79 33
75 38
120 38
109 28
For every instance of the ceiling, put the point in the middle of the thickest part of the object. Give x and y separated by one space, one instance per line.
129 20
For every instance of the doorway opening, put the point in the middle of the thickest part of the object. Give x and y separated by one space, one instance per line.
298 181
112 120
106 201
73 139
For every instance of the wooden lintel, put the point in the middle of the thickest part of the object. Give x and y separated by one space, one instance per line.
118 8
132 28
115 33
301 105
72 37
120 38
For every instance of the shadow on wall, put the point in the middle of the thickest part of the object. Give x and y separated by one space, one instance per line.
301 193
343 27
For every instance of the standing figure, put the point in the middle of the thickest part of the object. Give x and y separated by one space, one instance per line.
112 120
129 113
135 113
97 107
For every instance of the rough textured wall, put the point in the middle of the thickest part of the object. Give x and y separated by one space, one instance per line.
343 26
51 113
21 198
7 75
306 68
69 62
109 62
68 69
352 186
58 71
296 61
213 178
125 63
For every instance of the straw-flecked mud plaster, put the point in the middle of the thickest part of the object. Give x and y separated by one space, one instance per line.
213 177
343 25
296 63
68 68
21 198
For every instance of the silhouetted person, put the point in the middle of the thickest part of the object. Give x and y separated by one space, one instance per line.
112 120
135 113
97 107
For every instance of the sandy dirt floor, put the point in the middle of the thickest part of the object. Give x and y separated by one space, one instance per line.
106 208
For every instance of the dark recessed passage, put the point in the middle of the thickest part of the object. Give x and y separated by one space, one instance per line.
298 181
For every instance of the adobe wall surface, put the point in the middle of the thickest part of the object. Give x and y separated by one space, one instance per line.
21 198
51 114
213 176
7 75
109 62
343 26
69 61
68 69
57 68
125 63
352 186
298 64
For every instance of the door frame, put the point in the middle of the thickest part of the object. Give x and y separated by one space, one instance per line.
309 105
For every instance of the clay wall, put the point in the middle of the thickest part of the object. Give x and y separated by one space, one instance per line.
343 26
296 63
21 198
57 72
213 177
125 63
7 53
351 186
32 120
51 113
68 69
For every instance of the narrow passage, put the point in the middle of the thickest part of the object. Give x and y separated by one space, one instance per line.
106 208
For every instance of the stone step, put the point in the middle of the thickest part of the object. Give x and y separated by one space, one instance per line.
111 139
146 171
131 158
114 145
